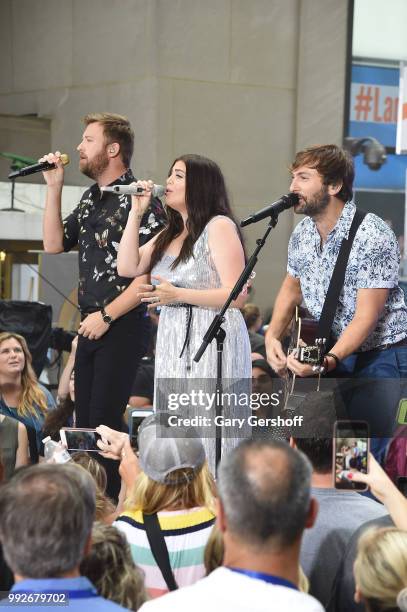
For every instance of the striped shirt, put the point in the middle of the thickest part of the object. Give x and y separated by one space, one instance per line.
186 533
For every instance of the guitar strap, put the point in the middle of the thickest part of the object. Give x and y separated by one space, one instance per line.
338 277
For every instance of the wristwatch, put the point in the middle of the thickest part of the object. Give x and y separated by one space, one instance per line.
106 318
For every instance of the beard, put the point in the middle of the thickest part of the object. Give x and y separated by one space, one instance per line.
95 167
313 205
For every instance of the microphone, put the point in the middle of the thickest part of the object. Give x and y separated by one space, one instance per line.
286 201
39 167
157 192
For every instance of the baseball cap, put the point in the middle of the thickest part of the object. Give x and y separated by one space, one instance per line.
164 448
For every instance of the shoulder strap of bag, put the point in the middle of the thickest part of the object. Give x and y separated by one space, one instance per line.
159 549
338 277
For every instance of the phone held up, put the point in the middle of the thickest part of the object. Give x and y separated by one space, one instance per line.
350 453
136 417
80 439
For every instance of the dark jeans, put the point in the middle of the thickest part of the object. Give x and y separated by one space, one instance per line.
379 380
104 373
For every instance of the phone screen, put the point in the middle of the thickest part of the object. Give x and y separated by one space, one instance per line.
351 450
80 439
136 417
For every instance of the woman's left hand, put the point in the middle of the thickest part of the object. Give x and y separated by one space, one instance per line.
159 295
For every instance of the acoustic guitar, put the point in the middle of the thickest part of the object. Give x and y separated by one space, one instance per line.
308 349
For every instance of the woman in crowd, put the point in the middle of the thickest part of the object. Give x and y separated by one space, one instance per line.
22 397
110 568
105 510
64 414
381 570
170 480
194 262
13 444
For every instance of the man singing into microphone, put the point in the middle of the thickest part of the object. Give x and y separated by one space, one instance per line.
114 331
370 323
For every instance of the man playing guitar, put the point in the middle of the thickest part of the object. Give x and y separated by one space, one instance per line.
370 323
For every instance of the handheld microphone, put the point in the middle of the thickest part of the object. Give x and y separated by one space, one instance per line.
286 201
39 167
157 192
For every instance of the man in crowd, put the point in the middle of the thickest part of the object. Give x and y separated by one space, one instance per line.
114 332
46 517
370 324
340 512
264 507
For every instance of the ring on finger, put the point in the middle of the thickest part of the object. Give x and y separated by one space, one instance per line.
156 299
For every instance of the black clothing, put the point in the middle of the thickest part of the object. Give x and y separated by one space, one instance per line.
96 225
104 373
105 370
143 385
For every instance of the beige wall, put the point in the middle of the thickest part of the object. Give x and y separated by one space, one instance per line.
245 82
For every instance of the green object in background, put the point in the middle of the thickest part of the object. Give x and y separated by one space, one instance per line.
18 161
402 412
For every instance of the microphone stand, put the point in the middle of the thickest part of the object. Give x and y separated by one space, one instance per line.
12 207
215 330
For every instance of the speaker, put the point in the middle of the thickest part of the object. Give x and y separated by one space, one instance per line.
32 320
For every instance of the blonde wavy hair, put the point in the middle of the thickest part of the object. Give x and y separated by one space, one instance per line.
381 569
105 511
110 567
31 392
193 488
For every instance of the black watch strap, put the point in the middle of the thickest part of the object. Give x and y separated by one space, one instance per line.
106 318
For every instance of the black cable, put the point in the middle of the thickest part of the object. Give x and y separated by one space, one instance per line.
53 286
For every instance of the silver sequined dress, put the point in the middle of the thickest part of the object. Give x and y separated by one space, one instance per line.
181 374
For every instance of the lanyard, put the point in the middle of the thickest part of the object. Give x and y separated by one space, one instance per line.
78 594
270 578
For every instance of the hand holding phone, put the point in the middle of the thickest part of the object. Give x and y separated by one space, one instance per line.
80 439
350 454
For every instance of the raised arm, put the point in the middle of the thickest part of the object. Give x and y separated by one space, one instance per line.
53 231
133 260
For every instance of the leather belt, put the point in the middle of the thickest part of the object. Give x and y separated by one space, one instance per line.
384 347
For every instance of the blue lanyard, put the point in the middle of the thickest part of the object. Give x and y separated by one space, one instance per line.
79 594
270 578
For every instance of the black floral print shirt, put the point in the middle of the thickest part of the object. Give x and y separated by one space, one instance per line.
96 225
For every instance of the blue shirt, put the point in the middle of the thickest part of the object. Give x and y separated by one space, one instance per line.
373 264
83 595
34 421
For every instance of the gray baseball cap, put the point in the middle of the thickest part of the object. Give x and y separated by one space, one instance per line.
164 448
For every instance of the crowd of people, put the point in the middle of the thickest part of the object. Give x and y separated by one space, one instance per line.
150 518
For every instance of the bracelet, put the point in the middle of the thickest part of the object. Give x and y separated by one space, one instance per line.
337 360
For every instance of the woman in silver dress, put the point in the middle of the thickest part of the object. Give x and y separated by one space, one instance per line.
194 263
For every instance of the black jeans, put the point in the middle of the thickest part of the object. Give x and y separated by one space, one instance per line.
104 373
105 370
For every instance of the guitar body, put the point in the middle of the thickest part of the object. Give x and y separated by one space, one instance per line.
309 350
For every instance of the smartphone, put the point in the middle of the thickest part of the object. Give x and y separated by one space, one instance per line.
350 453
80 439
402 412
136 417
